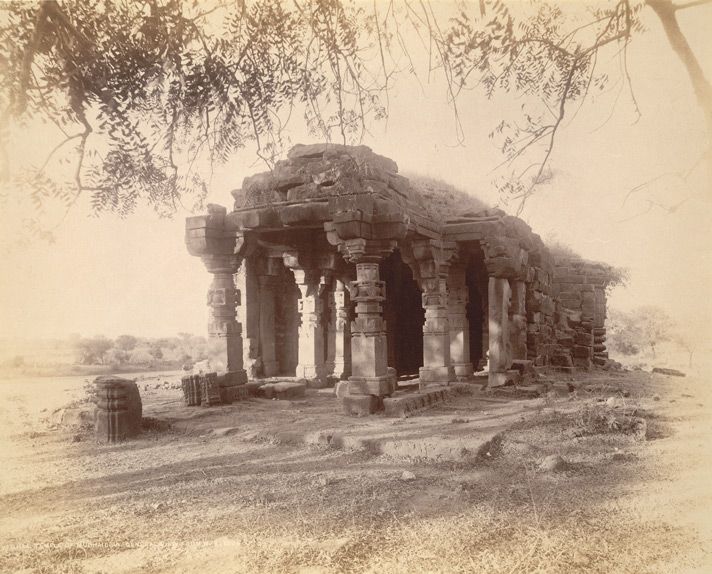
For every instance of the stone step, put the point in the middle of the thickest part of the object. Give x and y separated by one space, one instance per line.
281 391
402 406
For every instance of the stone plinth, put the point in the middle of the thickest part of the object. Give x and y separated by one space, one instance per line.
118 409
282 391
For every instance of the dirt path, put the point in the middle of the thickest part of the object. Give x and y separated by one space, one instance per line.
266 494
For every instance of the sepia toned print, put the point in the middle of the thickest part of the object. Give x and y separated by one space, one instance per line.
333 286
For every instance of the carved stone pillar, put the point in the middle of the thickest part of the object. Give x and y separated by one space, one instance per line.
222 250
433 258
311 335
437 366
338 355
459 325
498 319
224 331
369 349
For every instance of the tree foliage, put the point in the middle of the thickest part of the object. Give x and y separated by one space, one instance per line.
642 328
146 92
143 91
126 342
92 350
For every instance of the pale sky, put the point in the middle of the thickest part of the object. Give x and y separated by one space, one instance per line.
112 276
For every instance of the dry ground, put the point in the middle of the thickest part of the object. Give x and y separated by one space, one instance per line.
294 486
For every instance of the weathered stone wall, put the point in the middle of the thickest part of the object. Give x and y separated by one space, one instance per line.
540 306
580 287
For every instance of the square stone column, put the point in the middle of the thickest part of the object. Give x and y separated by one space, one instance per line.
247 282
311 334
338 354
224 331
436 333
499 294
459 324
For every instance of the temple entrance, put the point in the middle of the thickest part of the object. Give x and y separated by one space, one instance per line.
476 281
404 315
287 325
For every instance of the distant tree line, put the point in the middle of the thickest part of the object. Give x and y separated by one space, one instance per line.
641 331
139 351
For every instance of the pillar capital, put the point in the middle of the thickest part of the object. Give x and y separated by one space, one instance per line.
433 257
221 263
366 250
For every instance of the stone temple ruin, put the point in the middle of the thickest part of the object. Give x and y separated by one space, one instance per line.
342 269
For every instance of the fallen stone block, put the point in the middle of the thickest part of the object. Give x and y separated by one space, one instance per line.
317 383
234 394
402 406
527 372
282 391
73 416
361 405
253 387
210 390
669 372
341 389
508 379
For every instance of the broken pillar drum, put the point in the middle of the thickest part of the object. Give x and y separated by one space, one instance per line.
210 390
191 390
118 409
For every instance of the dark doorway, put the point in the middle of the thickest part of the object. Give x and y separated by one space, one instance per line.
476 280
404 315
286 322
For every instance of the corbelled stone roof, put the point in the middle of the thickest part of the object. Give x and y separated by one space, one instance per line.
319 171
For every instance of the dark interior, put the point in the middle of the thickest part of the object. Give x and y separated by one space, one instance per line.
404 315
